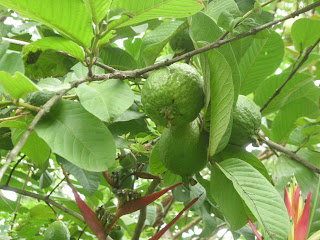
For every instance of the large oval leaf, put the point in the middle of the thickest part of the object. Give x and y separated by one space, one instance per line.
144 10
260 196
35 148
71 18
230 203
107 100
98 9
154 41
78 136
300 33
204 30
283 123
88 180
261 59
56 43
221 97
17 85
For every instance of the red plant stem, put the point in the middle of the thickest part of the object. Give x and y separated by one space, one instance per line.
301 228
89 216
163 230
137 204
254 229
12 118
287 202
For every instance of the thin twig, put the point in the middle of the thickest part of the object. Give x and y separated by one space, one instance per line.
55 188
187 227
218 228
43 198
83 230
223 234
12 170
293 71
14 117
247 14
291 155
19 199
143 211
131 74
53 210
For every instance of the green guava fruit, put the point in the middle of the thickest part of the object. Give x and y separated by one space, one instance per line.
57 231
173 95
117 234
39 98
182 43
246 122
5 139
183 149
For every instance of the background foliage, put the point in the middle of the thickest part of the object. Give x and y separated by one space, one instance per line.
100 127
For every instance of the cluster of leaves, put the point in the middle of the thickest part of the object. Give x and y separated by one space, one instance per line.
100 127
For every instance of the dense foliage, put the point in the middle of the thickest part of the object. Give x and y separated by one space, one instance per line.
81 151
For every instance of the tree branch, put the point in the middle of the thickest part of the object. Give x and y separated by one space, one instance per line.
187 227
291 155
143 211
293 71
131 74
43 198
12 170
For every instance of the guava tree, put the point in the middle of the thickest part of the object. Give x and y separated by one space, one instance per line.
172 119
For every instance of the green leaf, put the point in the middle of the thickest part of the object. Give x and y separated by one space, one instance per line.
13 124
117 58
209 222
45 180
144 10
49 64
78 136
230 203
215 8
107 100
204 30
42 212
70 18
260 60
17 85
56 43
131 113
155 164
5 139
260 196
10 62
88 180
98 9
35 147
298 86
154 41
221 97
300 33
133 127
283 123
232 151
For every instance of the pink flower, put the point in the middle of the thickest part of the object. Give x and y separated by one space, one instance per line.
298 210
